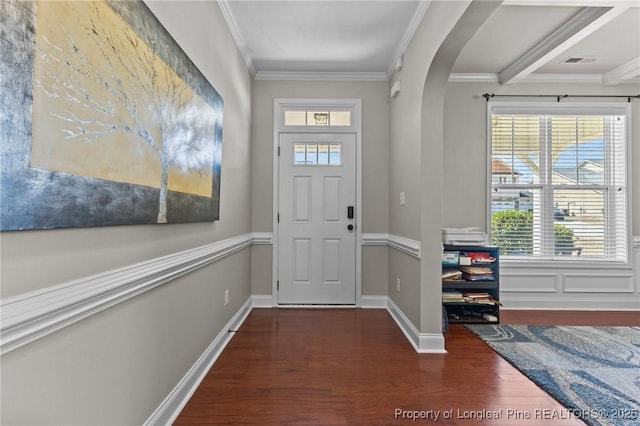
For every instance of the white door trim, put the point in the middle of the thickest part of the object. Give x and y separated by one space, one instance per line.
279 105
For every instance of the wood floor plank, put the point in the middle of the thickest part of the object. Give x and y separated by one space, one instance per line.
356 367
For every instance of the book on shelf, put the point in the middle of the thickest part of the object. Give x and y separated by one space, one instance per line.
478 296
477 273
452 296
476 270
451 274
482 298
480 258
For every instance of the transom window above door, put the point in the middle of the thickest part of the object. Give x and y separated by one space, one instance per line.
317 118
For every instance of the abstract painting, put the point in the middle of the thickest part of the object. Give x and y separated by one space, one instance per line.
105 120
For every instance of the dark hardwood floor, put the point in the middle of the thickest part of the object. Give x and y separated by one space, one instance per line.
356 367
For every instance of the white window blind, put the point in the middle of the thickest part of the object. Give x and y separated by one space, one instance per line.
558 182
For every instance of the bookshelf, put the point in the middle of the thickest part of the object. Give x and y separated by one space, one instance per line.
471 284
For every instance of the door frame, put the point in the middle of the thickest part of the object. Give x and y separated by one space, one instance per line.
279 106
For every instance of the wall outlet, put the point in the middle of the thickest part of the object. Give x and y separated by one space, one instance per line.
402 198
226 297
398 283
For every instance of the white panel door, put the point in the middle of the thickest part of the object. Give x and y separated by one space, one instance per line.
316 231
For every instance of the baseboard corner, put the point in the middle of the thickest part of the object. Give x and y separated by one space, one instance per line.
423 343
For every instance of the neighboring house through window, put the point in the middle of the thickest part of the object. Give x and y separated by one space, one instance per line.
559 183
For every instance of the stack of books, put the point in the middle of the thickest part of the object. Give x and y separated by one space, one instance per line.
452 296
477 273
451 274
479 258
480 297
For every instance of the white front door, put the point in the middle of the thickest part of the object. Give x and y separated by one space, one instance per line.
317 219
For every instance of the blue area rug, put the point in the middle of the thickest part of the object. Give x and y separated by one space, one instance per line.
593 371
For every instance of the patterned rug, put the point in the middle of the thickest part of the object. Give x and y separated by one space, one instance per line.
593 371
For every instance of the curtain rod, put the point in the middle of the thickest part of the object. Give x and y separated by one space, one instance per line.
488 96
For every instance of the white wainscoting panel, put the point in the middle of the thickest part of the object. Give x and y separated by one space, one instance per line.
529 282
598 283
548 287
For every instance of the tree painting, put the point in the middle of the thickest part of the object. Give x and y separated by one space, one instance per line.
109 95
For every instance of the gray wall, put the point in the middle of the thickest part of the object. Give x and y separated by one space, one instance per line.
416 169
116 367
375 170
533 285
465 147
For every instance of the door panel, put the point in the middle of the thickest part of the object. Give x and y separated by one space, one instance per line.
331 199
302 199
316 249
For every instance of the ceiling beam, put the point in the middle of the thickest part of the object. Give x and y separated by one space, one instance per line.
587 21
572 3
622 74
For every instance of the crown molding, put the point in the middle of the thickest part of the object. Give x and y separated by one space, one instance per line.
421 9
623 74
237 35
321 76
571 3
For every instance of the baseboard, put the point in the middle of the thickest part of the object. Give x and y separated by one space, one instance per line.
173 404
422 342
373 302
262 301
366 302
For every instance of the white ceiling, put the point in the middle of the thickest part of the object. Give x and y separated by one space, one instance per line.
363 39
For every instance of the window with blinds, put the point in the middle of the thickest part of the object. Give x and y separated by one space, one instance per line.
558 182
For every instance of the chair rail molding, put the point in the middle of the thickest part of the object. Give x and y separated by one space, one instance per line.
405 245
33 315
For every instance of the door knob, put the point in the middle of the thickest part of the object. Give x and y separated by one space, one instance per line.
350 227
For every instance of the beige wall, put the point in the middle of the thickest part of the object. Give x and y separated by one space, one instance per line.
116 367
375 169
